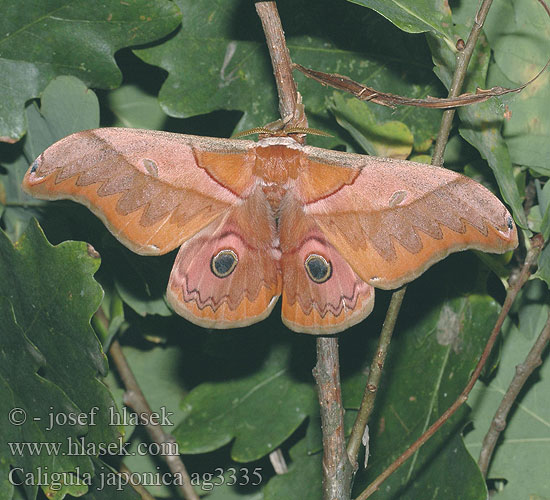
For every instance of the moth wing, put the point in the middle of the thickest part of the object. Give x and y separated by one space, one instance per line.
227 275
392 219
153 190
322 294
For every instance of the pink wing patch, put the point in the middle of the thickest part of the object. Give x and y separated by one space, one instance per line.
227 275
321 292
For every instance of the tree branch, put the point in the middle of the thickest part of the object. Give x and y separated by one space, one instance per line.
138 487
375 373
280 60
462 60
513 290
135 399
523 372
337 471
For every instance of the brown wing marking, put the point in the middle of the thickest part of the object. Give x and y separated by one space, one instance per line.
317 181
146 186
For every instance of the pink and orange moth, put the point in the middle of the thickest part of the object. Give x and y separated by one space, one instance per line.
256 220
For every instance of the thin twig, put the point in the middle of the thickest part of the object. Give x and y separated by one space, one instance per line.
375 373
135 398
138 487
369 94
337 469
513 290
462 61
280 59
523 372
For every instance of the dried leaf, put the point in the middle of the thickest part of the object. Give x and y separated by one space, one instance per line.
365 93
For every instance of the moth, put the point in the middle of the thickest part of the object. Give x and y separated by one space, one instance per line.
256 220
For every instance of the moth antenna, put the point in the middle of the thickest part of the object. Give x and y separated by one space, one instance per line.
256 130
307 130
288 131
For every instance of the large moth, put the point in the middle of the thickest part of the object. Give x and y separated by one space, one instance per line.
256 220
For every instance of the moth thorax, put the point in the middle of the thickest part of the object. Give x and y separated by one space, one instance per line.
277 163
274 194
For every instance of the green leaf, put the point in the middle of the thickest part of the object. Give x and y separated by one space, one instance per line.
543 271
230 489
33 399
303 475
68 97
107 484
259 411
429 365
53 295
493 148
141 281
116 320
543 195
133 107
524 446
6 486
519 33
214 65
391 139
208 69
415 16
26 66
67 106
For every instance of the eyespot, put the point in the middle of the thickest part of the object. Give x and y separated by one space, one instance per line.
510 223
397 198
224 263
318 268
151 167
34 166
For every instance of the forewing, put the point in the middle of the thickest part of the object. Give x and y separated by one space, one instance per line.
397 218
153 190
227 275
